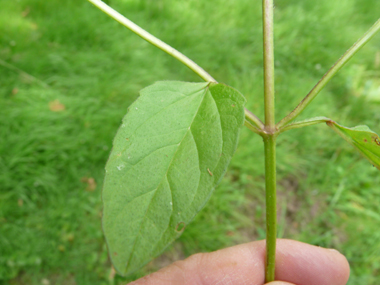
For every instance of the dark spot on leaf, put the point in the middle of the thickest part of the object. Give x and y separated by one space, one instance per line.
377 141
180 227
127 139
115 253
365 140
233 105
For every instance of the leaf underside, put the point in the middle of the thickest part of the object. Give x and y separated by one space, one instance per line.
363 139
172 149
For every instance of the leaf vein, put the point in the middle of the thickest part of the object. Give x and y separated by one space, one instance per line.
134 244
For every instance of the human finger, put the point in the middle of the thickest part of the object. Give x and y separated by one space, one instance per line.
301 263
279 283
296 262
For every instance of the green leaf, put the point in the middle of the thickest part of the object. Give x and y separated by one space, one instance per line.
363 139
172 149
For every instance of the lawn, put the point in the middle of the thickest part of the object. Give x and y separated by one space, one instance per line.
68 74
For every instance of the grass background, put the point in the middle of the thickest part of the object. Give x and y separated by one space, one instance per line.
68 74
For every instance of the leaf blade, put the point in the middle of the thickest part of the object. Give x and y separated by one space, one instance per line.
161 170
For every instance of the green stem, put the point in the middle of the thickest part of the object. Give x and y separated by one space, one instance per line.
329 74
268 63
271 209
269 141
153 40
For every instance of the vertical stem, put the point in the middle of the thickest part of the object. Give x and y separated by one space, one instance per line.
271 209
269 141
268 63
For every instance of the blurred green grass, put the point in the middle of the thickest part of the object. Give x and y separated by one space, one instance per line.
84 62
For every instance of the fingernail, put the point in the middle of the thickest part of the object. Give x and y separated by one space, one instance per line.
334 250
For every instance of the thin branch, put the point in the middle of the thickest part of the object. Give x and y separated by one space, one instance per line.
253 119
23 73
304 123
153 40
329 74
253 128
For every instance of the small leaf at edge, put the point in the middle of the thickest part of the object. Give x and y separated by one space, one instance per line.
363 139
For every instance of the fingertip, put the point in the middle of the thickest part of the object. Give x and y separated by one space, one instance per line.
302 263
343 267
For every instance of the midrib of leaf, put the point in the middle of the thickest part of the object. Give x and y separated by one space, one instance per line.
169 166
133 165
217 164
220 120
196 146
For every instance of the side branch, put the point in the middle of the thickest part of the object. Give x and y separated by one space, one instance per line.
153 40
253 119
304 123
329 74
